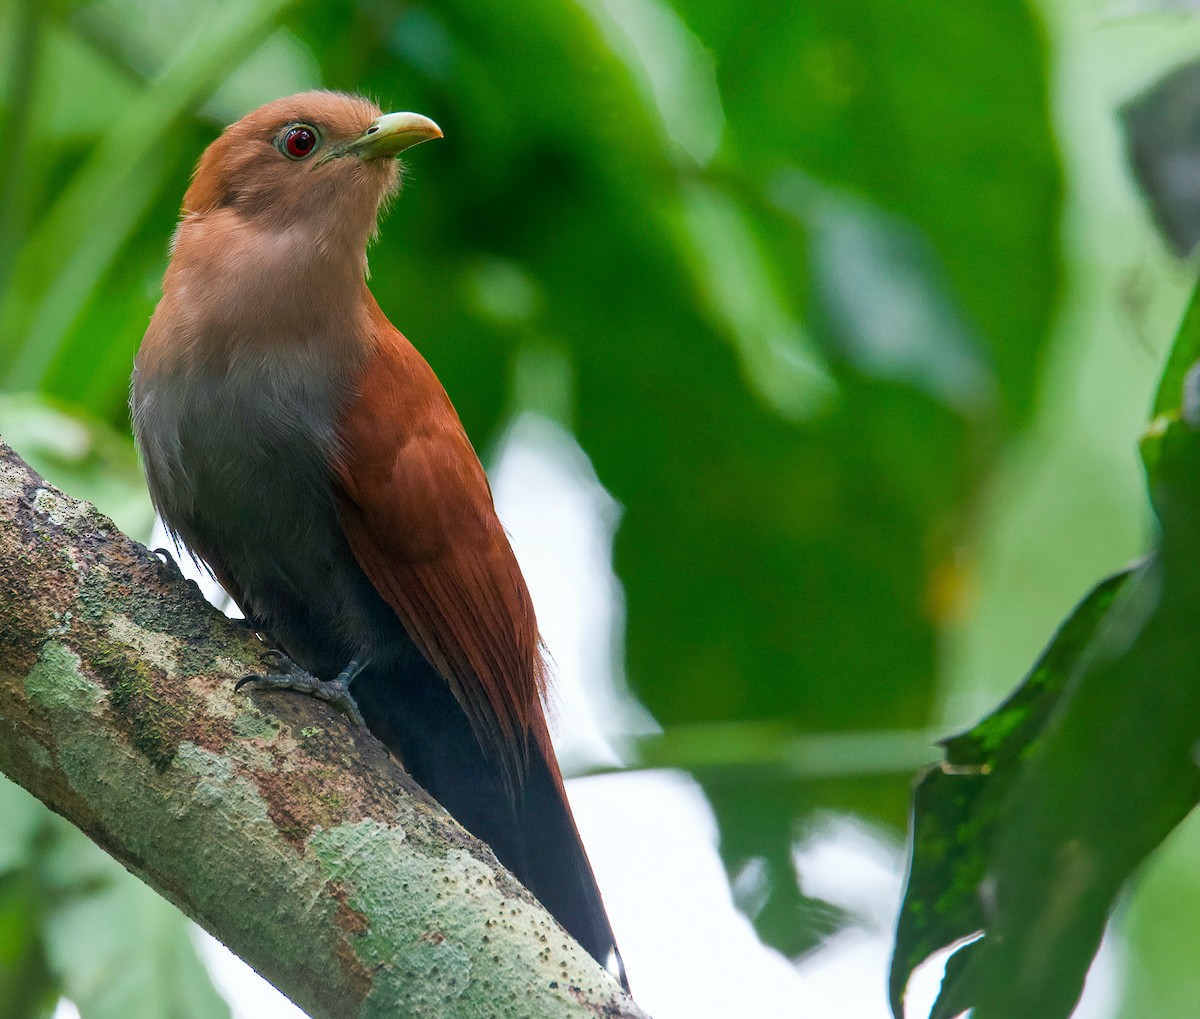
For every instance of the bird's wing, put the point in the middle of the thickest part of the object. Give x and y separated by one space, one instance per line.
417 510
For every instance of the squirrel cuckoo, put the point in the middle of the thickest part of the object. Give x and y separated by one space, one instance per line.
299 445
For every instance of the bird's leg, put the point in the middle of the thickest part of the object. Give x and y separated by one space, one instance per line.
287 675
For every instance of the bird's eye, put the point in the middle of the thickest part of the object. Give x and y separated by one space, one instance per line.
299 141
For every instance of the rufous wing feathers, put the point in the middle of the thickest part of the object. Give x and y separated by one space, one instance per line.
417 511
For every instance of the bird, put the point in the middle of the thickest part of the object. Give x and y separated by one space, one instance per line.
299 446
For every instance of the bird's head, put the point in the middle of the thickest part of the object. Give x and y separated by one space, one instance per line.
317 160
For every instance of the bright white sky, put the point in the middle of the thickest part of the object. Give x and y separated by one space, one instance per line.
651 836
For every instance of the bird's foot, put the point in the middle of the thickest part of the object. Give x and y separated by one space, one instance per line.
287 675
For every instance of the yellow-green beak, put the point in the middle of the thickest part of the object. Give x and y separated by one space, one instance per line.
391 134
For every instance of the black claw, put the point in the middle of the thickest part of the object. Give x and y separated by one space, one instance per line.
168 560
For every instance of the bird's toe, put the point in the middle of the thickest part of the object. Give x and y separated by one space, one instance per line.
333 691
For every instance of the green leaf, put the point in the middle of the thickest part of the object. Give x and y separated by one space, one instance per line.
1185 352
1093 788
958 805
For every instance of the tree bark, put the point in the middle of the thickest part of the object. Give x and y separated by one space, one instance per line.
289 834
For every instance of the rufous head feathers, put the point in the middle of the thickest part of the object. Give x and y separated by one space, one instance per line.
317 155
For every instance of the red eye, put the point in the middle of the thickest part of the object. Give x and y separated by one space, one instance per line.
299 142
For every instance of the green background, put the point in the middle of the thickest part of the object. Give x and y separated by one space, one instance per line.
853 306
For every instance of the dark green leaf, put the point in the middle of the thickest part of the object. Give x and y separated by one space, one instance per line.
1185 352
1116 774
958 805
1089 791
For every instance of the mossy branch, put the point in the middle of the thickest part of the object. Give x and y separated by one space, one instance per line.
290 835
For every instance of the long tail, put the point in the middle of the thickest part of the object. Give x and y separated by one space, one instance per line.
533 834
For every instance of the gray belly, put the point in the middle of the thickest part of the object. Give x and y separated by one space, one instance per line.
238 470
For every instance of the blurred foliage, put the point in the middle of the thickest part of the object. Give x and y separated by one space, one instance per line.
88 458
73 922
1023 838
788 273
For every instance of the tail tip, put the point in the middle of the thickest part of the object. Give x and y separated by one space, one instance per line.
616 966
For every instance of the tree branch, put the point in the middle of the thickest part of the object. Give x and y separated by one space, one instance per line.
289 834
